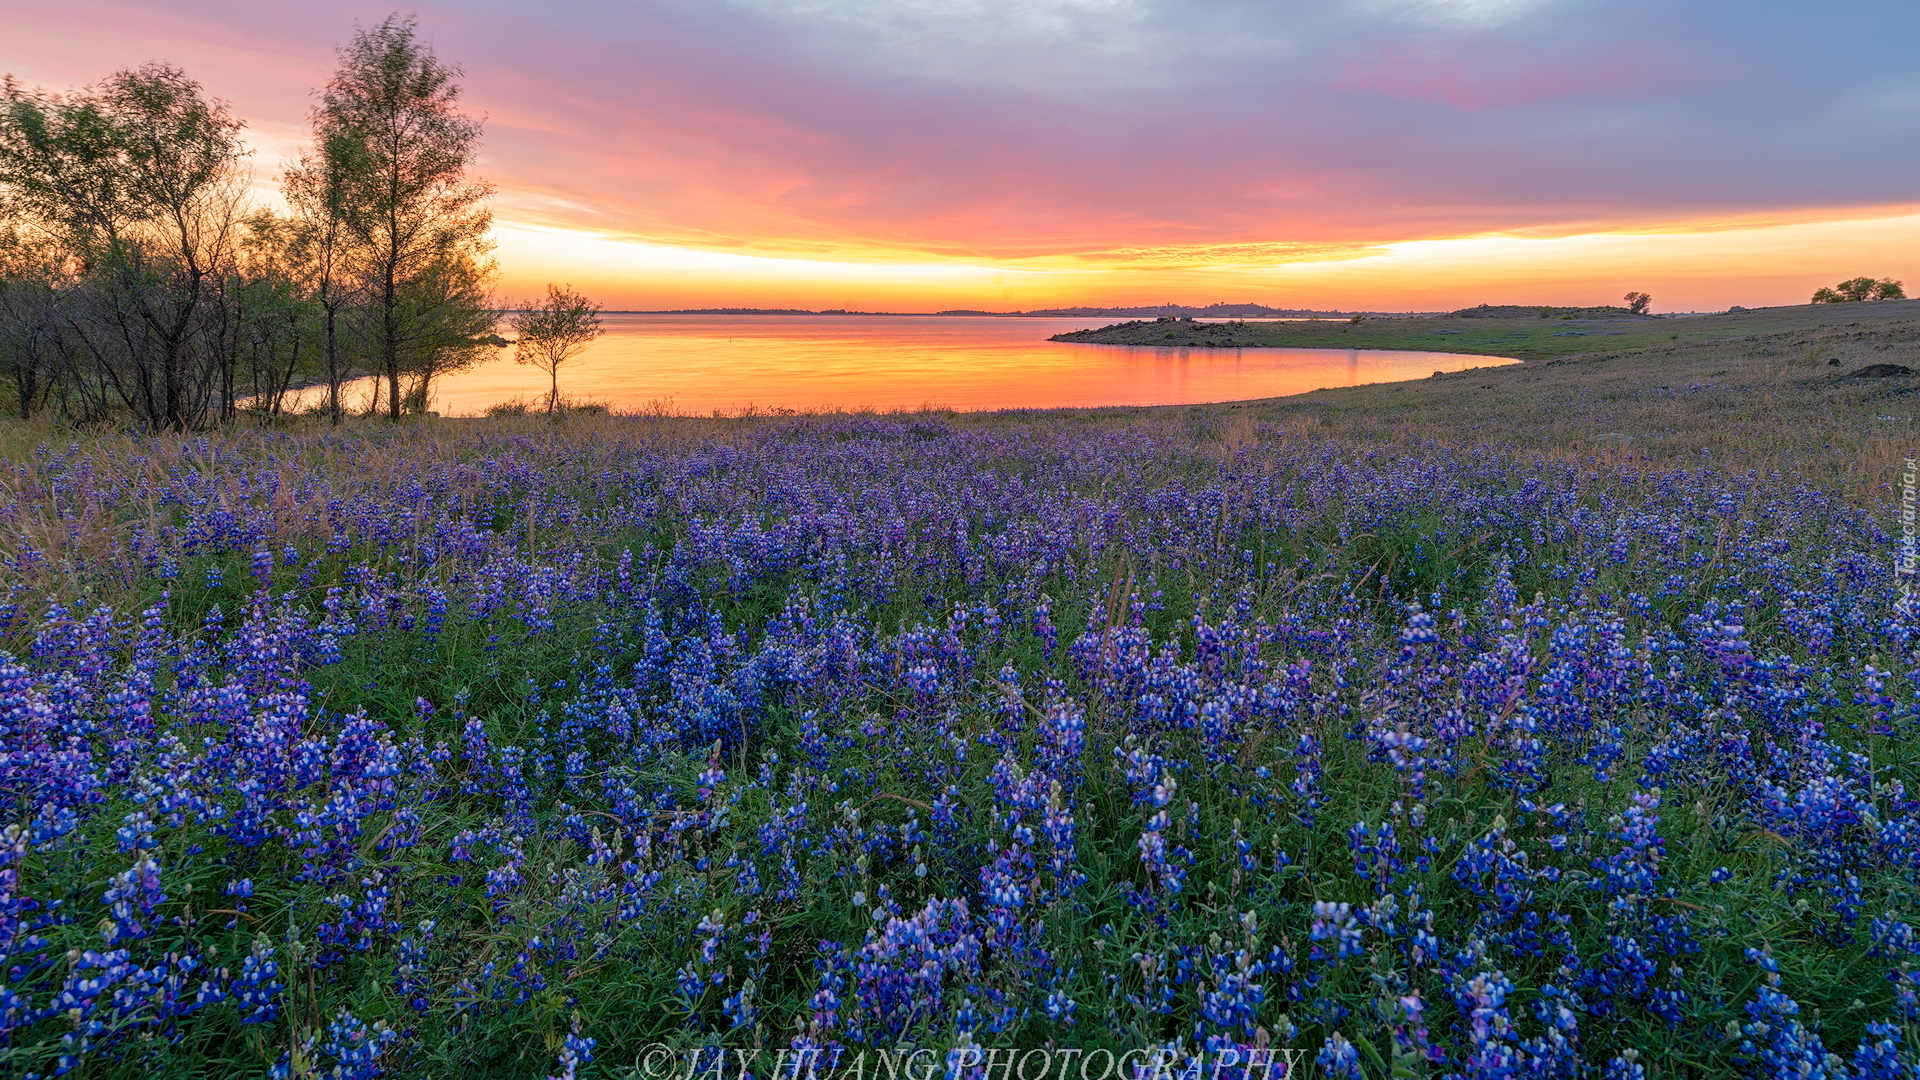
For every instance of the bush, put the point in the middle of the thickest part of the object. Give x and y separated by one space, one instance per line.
1860 288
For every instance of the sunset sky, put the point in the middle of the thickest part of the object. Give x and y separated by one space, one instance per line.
923 154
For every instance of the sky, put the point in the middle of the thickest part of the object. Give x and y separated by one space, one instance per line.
1018 154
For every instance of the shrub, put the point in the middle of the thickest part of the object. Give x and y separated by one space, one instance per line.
1860 288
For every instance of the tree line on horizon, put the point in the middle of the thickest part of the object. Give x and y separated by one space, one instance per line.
1854 290
138 281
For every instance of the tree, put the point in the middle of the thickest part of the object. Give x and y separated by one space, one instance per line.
277 328
316 241
389 167
35 348
550 333
450 319
1637 302
1860 288
137 179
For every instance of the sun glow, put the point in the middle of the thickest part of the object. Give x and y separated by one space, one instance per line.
639 275
1705 265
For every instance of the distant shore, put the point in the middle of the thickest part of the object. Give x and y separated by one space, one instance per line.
1209 312
1212 311
1522 338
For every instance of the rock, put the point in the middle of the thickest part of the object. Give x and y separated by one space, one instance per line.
1878 371
1833 362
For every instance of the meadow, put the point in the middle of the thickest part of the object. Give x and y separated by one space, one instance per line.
1524 338
1407 728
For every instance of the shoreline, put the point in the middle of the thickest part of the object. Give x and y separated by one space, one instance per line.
1761 385
1515 338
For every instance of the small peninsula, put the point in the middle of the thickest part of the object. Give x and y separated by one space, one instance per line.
1517 331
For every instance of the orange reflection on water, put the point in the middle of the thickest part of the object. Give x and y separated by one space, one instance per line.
701 363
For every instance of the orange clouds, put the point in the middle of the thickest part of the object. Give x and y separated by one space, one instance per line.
845 153
1720 265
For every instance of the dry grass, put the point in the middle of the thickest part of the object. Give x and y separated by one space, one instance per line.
1764 398
1524 338
1768 400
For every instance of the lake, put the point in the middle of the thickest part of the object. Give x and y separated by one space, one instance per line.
696 364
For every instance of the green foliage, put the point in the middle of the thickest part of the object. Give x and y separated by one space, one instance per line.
155 293
135 182
387 181
1858 289
550 332
1260 545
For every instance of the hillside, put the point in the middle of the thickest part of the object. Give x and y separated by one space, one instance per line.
1769 389
1547 311
1529 338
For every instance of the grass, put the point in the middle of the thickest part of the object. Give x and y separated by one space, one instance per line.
1197 529
1523 338
1752 390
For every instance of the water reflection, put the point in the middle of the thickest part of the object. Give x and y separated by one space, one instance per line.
698 364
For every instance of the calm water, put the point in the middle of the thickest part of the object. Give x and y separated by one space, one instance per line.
699 363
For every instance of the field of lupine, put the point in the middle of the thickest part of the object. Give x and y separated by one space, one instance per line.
510 749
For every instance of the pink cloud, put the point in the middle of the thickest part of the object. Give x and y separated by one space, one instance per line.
696 124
